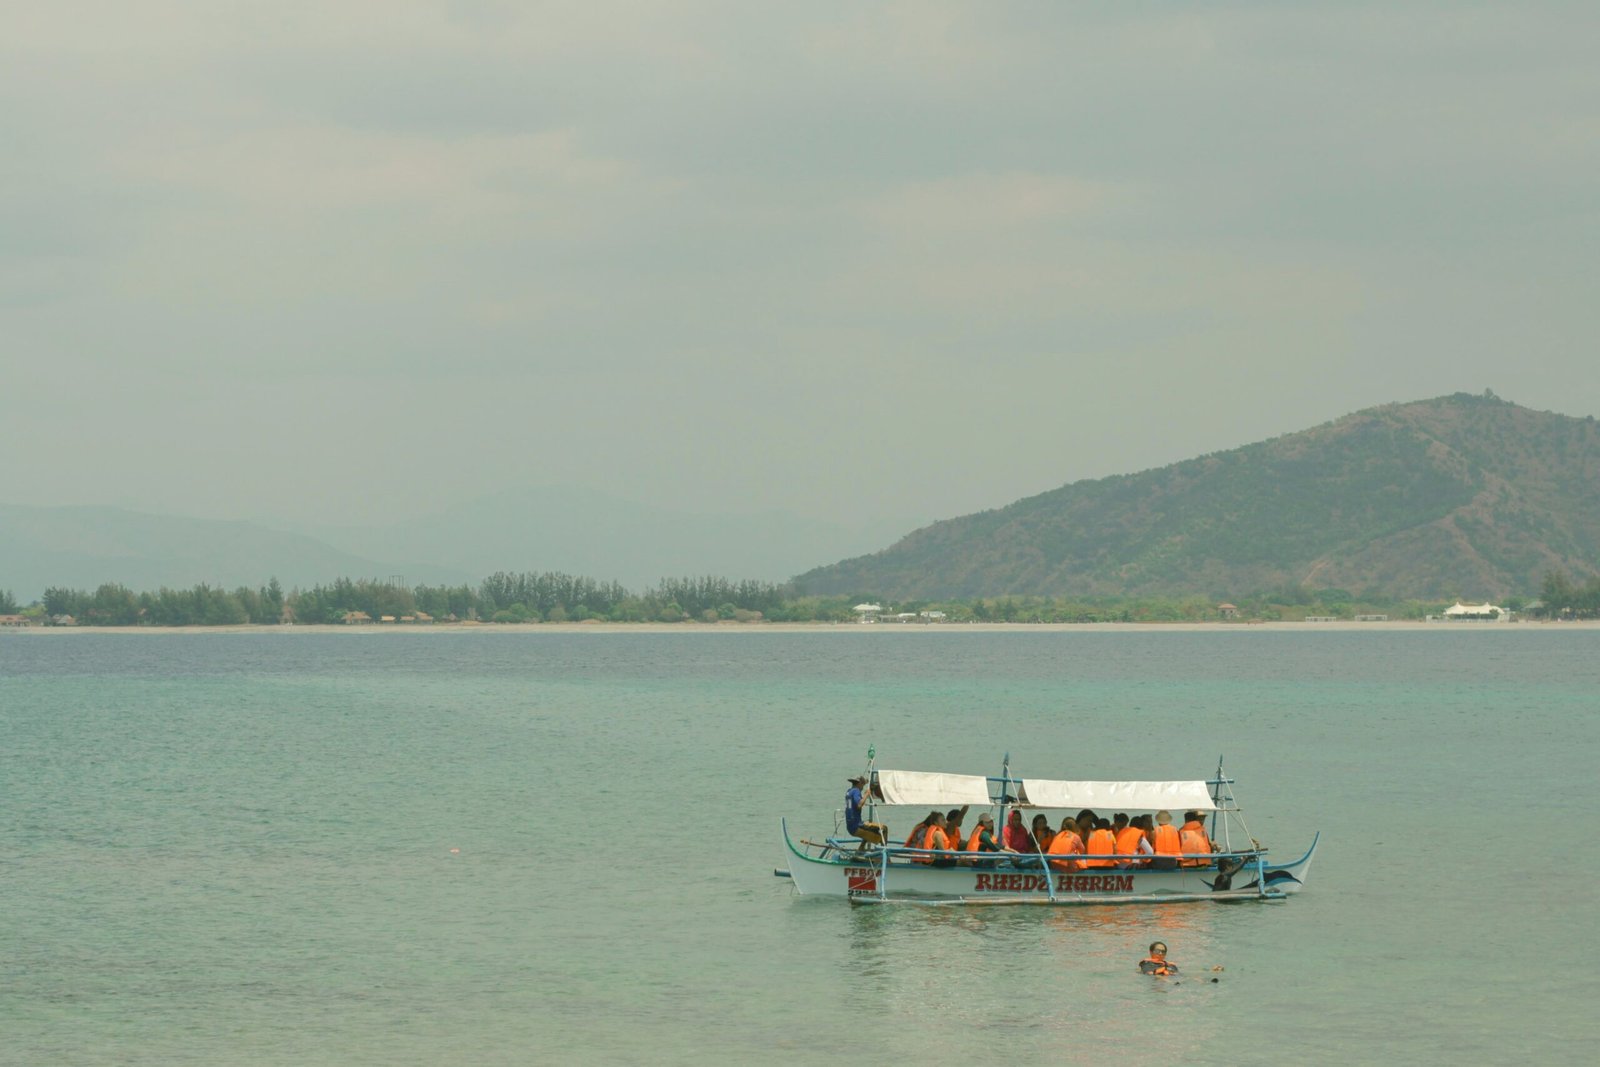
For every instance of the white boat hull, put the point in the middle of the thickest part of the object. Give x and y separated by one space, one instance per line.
866 880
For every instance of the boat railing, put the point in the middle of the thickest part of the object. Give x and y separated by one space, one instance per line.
1144 859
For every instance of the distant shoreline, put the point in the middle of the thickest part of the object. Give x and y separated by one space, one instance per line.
831 627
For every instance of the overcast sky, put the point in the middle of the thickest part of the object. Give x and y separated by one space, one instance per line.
345 260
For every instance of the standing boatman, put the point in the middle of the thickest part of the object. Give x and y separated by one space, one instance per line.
870 833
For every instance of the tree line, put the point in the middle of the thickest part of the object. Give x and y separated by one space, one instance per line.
1563 598
553 597
502 597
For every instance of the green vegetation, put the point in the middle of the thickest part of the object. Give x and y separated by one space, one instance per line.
1461 496
1562 598
8 603
503 597
555 598
1398 510
117 605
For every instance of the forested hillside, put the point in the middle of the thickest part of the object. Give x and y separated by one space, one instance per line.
1461 495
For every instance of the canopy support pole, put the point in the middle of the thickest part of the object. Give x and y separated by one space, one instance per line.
883 872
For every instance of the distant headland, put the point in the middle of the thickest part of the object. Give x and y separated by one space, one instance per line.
1397 512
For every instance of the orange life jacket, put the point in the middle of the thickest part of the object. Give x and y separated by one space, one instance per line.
1128 843
933 837
1194 841
1066 843
1043 840
1166 841
975 841
1159 967
1101 843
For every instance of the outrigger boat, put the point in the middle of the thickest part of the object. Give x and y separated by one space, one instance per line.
839 867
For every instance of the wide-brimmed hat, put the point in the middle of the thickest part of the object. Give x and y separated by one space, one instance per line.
859 779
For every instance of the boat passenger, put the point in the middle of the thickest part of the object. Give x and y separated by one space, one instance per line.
1193 840
982 840
934 841
1147 829
914 838
1085 820
1101 845
870 833
1156 963
1166 843
1130 842
952 827
1041 834
1066 842
1016 835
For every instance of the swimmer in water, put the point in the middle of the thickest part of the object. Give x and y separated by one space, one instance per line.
1156 963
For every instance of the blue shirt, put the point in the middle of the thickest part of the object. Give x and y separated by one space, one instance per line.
852 809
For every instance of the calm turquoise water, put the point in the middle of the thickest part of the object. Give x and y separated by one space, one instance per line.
240 848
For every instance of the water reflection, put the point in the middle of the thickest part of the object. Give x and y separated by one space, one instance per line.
1056 975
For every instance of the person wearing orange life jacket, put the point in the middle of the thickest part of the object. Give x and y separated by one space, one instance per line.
1147 827
934 841
1041 833
1101 845
1038 840
982 840
1194 842
1066 842
1156 963
1130 842
1166 843
952 828
914 838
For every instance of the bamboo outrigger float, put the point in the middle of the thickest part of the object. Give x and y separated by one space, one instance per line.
839 867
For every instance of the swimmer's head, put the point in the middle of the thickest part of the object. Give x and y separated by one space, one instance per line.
1158 948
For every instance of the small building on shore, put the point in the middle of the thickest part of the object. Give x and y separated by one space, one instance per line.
867 612
1473 613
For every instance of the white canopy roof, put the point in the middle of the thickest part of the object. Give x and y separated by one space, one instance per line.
928 789
1176 797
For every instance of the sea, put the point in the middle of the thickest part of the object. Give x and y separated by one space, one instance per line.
483 847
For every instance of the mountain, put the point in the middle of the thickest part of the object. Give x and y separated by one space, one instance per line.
579 531
1461 495
83 547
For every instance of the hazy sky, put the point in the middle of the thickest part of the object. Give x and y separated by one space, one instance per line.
349 260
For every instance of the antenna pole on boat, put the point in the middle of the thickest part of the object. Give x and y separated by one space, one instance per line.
1219 816
1005 794
872 760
